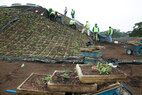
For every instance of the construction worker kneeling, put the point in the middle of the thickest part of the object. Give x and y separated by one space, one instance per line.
52 15
72 24
95 32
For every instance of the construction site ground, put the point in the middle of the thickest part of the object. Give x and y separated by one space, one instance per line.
12 75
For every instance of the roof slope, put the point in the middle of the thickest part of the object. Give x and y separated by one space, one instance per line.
33 35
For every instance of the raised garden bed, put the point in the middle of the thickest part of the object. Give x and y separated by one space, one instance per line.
95 52
70 83
35 84
87 75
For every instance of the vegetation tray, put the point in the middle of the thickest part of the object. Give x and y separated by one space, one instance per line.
69 82
87 75
36 84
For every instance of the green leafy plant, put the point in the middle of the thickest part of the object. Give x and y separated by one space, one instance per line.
47 78
60 53
104 68
65 75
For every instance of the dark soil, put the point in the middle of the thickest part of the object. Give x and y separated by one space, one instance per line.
35 82
12 75
87 70
134 77
72 78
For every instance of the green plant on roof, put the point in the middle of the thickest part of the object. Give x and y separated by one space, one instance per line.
47 50
47 78
76 51
7 53
1 52
4 47
64 75
60 53
50 56
16 38
104 68
43 55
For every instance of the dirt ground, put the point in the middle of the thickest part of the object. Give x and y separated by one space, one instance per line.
12 74
117 51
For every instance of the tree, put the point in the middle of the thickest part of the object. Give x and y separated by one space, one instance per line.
137 31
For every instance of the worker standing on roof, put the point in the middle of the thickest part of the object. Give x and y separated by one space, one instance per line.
87 28
48 12
110 32
95 32
65 11
52 15
72 24
72 13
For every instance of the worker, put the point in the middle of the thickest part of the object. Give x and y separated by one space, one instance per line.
48 12
110 32
52 15
72 13
72 24
95 32
65 11
87 28
59 16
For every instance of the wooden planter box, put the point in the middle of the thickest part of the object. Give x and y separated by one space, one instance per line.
33 91
82 88
99 78
94 52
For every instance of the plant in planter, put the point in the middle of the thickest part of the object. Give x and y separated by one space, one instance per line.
47 78
35 84
104 68
64 75
100 73
70 83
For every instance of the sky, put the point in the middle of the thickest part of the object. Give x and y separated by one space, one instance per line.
119 14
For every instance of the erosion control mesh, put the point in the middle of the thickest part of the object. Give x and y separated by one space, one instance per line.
15 18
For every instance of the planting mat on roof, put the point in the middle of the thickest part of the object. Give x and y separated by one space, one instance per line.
33 35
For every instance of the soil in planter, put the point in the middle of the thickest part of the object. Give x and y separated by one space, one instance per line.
72 78
87 70
36 82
